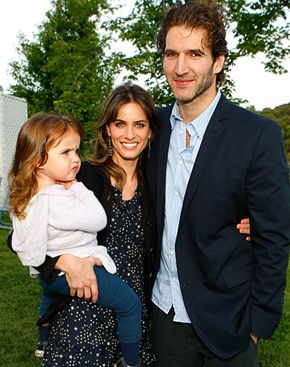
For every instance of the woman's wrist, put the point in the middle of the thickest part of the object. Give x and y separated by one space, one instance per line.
63 262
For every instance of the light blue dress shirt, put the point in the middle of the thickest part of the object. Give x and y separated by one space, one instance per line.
180 162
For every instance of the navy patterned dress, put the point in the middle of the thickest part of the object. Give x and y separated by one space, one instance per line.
85 334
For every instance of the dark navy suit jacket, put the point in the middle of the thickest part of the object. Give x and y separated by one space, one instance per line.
230 287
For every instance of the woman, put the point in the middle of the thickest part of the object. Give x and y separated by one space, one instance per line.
127 124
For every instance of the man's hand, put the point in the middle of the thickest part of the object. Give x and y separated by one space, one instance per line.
80 275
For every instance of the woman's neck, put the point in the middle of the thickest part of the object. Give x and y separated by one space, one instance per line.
130 187
131 182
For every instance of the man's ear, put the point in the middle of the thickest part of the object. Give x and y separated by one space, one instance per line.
219 64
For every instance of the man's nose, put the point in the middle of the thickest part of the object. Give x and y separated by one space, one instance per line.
181 65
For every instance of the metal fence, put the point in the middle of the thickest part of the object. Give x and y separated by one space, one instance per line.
13 113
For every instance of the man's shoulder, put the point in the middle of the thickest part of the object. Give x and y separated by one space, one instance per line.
244 116
165 111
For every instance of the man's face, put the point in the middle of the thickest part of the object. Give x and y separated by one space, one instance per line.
188 64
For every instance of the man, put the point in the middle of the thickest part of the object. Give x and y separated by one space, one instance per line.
214 163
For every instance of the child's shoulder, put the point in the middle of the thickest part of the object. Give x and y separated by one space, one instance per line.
52 189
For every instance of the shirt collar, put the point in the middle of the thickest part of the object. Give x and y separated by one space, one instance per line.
199 124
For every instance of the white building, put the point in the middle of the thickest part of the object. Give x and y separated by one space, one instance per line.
13 113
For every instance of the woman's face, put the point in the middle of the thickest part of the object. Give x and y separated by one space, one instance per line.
130 133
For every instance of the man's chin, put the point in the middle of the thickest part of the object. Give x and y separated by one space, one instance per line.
185 99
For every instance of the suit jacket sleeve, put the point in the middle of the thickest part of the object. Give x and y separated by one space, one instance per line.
268 197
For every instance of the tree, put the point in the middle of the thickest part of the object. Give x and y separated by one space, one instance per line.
258 26
70 68
281 114
66 69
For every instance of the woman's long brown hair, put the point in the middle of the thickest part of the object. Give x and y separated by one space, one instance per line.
125 93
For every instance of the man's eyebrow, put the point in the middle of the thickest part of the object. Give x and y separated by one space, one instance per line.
195 51
190 51
169 50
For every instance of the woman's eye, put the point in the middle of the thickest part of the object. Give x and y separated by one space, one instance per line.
119 123
139 125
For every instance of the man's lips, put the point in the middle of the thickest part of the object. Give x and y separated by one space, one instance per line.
183 82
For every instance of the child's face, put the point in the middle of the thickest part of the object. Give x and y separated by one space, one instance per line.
63 162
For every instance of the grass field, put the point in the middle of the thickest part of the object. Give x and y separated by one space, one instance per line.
19 298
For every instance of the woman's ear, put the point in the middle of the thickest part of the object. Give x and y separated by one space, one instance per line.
108 130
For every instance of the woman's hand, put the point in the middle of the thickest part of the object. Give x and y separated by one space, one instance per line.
80 275
244 227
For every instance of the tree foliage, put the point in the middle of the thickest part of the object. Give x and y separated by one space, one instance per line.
65 68
258 26
70 67
281 114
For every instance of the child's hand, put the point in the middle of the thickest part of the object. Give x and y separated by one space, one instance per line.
67 184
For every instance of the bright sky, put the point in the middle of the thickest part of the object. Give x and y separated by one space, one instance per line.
261 89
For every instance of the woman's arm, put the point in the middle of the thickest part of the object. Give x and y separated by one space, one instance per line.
78 271
47 269
244 228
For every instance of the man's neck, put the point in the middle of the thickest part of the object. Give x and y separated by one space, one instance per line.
190 111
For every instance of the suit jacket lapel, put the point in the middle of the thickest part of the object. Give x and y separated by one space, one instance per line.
164 139
210 140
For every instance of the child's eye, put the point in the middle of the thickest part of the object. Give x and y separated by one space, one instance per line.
65 152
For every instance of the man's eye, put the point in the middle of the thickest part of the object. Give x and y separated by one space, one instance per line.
195 54
170 54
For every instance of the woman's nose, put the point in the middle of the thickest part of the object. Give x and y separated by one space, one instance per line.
130 133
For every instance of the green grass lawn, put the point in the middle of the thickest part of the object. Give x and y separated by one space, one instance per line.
19 299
